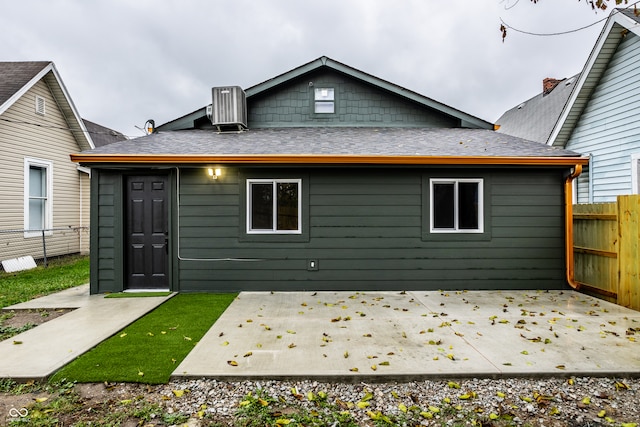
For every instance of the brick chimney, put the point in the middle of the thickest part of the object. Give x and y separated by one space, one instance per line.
549 84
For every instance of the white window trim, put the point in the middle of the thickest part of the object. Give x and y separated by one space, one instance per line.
635 165
41 101
324 101
455 181
48 218
274 230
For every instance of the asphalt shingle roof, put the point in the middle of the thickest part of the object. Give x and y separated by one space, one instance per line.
535 118
335 141
14 75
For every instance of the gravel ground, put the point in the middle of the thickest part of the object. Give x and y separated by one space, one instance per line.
581 401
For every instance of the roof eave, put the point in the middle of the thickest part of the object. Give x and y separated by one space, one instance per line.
88 158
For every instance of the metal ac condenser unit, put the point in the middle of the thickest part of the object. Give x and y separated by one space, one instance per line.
229 108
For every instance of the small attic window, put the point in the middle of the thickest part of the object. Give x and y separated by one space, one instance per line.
324 100
40 105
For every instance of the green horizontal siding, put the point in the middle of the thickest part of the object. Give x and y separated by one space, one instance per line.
366 232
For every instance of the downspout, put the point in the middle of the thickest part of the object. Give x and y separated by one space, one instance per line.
568 227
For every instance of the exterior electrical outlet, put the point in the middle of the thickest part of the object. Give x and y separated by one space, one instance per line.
312 265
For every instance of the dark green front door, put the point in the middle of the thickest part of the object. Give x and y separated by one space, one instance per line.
146 223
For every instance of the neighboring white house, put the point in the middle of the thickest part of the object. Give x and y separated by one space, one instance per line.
602 115
595 113
42 191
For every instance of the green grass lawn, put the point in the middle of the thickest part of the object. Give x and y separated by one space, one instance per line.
149 350
61 274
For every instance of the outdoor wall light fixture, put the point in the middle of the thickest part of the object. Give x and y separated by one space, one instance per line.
214 173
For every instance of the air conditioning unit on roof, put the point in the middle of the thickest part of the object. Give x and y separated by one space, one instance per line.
229 108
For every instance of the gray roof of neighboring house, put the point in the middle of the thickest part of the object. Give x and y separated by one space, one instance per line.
338 141
102 135
535 118
14 75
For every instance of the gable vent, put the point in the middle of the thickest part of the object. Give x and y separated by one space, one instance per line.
40 105
229 108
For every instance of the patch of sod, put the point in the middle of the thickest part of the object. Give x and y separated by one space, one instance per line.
149 350
137 294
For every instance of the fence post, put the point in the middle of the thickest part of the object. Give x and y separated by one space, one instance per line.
44 249
629 256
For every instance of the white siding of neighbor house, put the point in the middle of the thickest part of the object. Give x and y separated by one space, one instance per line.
609 128
26 134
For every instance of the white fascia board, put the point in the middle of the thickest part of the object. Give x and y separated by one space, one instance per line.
69 101
615 18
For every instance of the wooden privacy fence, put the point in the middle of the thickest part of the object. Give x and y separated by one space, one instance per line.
606 244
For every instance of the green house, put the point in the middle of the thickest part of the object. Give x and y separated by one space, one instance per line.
328 178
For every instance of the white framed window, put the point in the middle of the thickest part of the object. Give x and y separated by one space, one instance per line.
456 205
38 203
40 105
635 173
324 100
274 206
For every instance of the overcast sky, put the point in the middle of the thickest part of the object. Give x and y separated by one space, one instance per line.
126 61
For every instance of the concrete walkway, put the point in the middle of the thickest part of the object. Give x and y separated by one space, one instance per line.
413 335
39 352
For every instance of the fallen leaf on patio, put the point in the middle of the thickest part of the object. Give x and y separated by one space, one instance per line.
354 369
367 335
501 394
453 384
289 331
346 354
336 319
403 408
17 342
232 362
560 367
292 345
451 356
178 393
602 413
404 334
362 404
226 343
248 354
425 414
385 363
374 368
525 352
586 400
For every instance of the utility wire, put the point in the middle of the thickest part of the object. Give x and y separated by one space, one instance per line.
560 33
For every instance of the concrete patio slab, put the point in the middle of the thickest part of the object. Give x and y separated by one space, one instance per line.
412 335
39 352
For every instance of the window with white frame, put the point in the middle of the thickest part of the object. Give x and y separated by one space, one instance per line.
274 206
324 100
456 205
37 195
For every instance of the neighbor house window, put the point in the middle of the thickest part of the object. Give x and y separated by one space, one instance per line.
635 173
324 101
456 206
37 195
274 206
